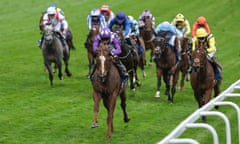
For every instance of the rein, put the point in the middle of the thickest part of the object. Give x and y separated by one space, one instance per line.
124 57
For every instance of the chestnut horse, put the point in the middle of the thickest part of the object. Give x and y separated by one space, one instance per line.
107 86
53 52
129 60
165 60
147 34
90 39
202 76
184 64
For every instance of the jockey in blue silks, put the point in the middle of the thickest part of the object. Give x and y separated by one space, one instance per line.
121 19
169 32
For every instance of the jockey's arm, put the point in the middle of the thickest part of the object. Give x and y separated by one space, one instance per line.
127 28
65 27
89 22
116 44
188 30
96 43
212 46
193 43
102 22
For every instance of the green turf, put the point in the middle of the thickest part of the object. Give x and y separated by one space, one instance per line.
33 112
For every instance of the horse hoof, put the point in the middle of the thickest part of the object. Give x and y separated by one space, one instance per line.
127 120
94 125
138 83
69 74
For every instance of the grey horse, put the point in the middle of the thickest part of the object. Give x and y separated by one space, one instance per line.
54 52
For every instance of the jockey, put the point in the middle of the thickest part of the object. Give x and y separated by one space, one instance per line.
201 22
95 18
203 35
114 44
135 34
169 32
182 24
147 14
58 21
107 13
121 19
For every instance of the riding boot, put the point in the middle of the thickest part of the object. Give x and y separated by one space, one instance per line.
178 57
92 70
40 42
217 69
122 70
86 42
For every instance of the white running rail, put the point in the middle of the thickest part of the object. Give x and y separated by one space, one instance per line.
172 138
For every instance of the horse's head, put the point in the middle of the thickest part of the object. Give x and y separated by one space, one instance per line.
118 29
103 61
147 24
48 33
199 59
94 31
160 46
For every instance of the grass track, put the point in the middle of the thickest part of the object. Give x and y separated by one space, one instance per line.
33 112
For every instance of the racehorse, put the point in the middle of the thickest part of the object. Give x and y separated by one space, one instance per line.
147 34
202 76
165 60
107 86
184 64
91 36
69 36
129 59
53 52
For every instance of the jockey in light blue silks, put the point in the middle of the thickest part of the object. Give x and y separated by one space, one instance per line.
170 32
135 33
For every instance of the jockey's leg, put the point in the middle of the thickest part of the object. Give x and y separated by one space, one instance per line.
92 70
63 40
174 42
40 42
217 68
122 69
86 42
140 47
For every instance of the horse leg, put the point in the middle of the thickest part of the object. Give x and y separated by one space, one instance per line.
49 68
66 57
96 98
111 108
123 106
132 80
59 65
159 80
182 81
90 61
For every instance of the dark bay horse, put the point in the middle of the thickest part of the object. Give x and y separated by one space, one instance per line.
184 64
53 52
90 39
107 86
202 76
165 60
147 34
69 36
128 58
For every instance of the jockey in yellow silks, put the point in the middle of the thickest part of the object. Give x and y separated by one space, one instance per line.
182 24
203 35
